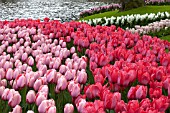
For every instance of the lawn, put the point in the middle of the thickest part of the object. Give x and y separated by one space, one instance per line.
141 10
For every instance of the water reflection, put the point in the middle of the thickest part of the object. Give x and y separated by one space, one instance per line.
64 10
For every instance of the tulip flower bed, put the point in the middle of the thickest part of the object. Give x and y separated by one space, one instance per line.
71 67
100 9
152 27
157 2
129 21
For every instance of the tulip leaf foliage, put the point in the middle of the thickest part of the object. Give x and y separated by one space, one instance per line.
73 67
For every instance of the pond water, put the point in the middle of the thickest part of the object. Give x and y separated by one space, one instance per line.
63 10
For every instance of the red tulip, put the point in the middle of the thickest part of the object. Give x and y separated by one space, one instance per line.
133 106
93 91
145 104
161 104
89 107
121 107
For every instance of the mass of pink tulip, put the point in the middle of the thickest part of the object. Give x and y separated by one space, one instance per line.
72 67
100 9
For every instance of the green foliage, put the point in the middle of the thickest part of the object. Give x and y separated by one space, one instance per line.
161 34
133 4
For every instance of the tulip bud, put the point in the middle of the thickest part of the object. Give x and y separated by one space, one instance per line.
9 74
40 96
81 77
24 57
30 61
15 100
68 108
2 88
21 81
61 83
30 111
43 88
17 109
30 97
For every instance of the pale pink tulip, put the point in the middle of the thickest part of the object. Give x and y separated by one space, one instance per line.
30 61
69 75
40 96
30 97
61 83
81 77
30 111
17 109
37 84
51 109
2 73
21 81
2 88
72 50
43 88
57 63
3 82
5 93
68 108
24 57
50 75
62 69
15 100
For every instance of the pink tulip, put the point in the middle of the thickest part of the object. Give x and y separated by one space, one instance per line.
45 106
61 83
15 100
72 50
57 63
62 69
69 75
50 75
2 88
43 88
2 73
68 108
30 61
3 82
24 57
74 89
37 84
30 111
81 77
21 81
30 97
17 109
40 96
51 109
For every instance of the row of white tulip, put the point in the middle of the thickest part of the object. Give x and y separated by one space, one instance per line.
152 27
129 20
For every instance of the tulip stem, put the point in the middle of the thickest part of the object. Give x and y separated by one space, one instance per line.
7 107
90 79
23 104
164 92
61 99
2 105
35 108
52 91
